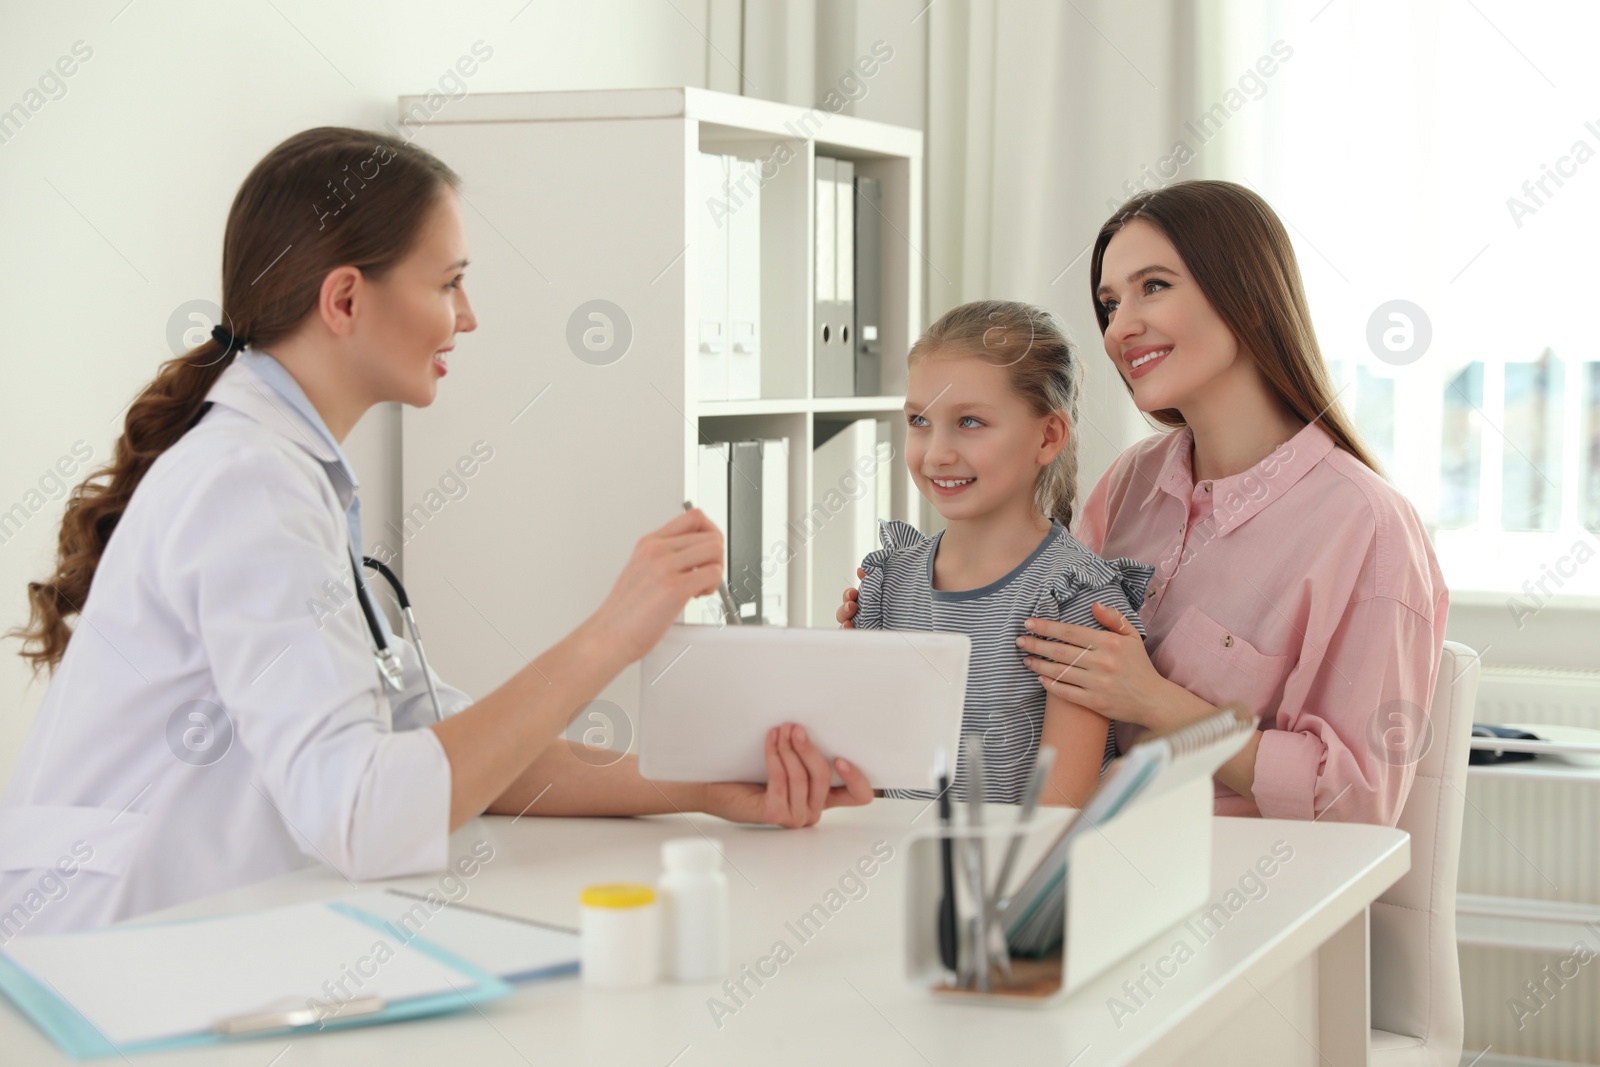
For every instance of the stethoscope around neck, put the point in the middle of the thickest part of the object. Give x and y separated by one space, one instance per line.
389 660
389 666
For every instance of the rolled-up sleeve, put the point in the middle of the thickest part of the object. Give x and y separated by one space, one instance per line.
293 668
1353 722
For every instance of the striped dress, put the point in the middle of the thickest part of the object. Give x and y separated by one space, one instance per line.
1004 700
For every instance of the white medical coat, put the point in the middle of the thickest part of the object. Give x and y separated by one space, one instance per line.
219 596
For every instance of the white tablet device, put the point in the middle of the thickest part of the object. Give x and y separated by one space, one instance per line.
886 700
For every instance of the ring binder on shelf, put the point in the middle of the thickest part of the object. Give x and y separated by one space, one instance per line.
833 332
868 340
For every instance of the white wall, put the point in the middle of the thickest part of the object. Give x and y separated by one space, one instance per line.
116 192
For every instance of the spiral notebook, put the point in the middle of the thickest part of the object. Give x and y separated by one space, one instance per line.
1034 917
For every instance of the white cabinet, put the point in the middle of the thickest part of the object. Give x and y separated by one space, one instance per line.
587 227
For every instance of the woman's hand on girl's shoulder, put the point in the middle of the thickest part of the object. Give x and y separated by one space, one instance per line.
847 611
798 785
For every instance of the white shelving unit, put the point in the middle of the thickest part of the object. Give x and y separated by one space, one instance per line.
574 197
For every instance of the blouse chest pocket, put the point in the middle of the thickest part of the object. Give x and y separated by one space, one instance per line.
1219 666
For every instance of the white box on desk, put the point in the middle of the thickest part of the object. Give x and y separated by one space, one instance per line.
1138 875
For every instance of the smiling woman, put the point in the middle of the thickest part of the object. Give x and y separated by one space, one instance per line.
1290 574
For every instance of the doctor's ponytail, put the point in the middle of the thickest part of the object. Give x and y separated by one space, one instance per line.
324 198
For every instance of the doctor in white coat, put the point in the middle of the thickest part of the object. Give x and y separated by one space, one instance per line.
204 727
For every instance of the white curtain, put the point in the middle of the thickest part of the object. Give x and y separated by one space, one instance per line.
1039 112
1037 115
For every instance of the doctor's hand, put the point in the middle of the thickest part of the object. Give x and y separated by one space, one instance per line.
847 611
669 567
797 788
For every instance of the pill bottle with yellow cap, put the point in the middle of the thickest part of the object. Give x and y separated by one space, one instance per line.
620 935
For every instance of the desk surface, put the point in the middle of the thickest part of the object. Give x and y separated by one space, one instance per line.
843 996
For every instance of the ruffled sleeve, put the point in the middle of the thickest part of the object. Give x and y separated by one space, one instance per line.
895 536
1118 583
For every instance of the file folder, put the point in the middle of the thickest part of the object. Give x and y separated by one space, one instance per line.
744 279
712 482
774 538
744 527
844 255
869 287
711 248
835 286
826 238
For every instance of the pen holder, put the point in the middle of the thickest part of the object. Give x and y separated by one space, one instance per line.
925 886
1127 880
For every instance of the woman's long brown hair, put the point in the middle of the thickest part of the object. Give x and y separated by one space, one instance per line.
1239 253
324 198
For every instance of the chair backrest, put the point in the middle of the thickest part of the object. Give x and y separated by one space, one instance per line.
1416 972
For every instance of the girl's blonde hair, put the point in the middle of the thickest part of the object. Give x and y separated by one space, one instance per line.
1044 369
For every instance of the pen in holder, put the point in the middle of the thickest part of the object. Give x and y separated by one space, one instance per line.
1008 977
1099 883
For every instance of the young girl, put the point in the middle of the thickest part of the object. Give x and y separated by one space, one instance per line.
991 412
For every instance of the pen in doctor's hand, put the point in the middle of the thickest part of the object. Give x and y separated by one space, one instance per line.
730 610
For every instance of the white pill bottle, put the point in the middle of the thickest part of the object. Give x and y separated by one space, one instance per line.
694 910
620 943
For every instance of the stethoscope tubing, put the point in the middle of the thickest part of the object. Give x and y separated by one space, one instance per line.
388 660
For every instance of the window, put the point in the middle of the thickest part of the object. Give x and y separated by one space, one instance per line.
1438 167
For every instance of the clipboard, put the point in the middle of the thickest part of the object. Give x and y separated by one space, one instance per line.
141 988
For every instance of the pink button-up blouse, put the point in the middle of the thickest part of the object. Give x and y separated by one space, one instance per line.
1304 587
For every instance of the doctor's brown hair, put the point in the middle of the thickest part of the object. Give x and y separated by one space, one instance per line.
1238 251
325 198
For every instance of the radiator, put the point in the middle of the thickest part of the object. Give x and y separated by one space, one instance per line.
1532 833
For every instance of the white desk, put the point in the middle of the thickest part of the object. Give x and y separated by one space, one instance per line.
1251 990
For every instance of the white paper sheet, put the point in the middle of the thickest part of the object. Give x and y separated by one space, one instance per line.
506 947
